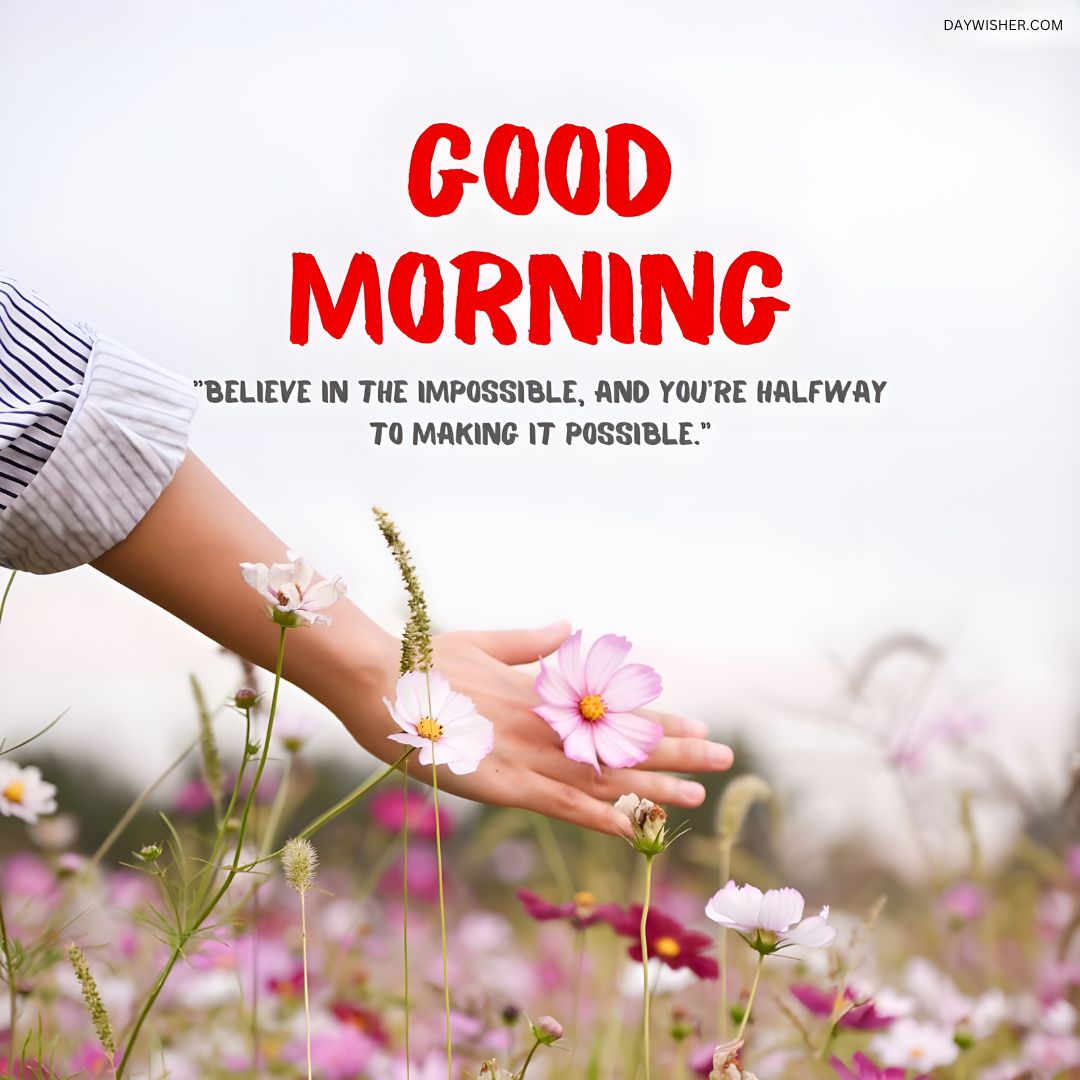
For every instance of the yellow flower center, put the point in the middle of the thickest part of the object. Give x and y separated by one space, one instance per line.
592 707
584 899
667 947
917 1052
15 791
428 728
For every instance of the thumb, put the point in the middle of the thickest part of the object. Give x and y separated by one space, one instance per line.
522 646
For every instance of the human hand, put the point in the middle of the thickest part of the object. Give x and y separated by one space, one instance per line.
527 767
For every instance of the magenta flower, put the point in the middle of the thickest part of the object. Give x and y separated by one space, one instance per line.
590 703
865 1069
388 811
964 902
582 912
860 1017
668 941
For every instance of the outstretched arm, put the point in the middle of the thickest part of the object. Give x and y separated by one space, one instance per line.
184 556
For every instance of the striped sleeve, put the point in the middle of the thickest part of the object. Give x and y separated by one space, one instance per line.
90 435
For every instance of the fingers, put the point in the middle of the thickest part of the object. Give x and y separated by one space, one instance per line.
660 788
521 646
609 784
689 756
569 803
677 725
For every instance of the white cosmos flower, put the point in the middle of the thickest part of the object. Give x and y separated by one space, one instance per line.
293 730
289 588
770 920
23 793
442 723
909 1044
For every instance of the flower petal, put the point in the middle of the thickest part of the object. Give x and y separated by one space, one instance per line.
579 746
257 575
571 666
562 718
302 571
323 593
605 658
737 907
455 708
631 687
409 738
814 932
622 745
780 909
553 688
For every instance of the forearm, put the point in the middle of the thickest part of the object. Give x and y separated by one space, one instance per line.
184 556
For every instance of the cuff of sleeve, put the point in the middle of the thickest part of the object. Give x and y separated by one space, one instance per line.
120 449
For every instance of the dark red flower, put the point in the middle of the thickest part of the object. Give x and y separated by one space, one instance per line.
363 1019
582 912
860 1017
667 940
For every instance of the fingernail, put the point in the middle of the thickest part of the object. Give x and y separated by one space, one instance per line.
692 792
719 755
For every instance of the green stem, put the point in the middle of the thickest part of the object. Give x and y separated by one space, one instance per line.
307 1002
219 839
753 994
349 801
579 970
645 964
188 932
405 909
9 963
442 918
528 1061
725 876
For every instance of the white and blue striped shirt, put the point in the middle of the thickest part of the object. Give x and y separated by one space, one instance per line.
90 435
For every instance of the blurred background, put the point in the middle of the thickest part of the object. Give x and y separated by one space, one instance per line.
877 604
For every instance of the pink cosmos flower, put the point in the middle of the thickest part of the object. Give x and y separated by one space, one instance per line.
769 921
340 1053
193 798
865 1069
590 703
582 911
388 810
442 723
295 598
91 1061
964 902
860 1017
1072 862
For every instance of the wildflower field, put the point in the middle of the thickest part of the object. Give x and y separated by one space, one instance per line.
251 914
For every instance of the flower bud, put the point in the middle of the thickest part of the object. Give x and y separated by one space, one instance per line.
547 1030
683 1025
649 822
246 698
149 852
